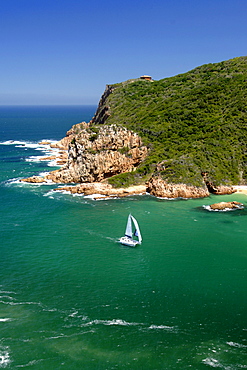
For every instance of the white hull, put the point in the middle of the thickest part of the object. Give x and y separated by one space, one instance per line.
128 241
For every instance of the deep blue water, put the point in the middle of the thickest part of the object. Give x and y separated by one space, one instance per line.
72 298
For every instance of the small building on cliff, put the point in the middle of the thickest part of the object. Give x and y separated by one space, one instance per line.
146 77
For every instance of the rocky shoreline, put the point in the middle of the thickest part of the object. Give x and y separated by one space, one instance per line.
87 161
154 186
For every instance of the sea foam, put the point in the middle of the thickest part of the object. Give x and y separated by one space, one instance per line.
4 357
45 148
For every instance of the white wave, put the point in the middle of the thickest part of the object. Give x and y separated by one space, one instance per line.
165 198
62 191
33 158
12 142
39 143
15 180
73 314
49 194
45 148
21 303
6 296
50 309
110 322
6 319
43 174
53 163
6 292
163 327
237 345
25 144
4 357
28 145
30 363
212 362
93 196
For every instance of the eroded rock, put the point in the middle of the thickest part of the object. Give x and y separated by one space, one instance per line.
34 179
226 205
159 188
95 156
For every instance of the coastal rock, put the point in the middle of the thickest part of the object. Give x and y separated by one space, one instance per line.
34 179
226 205
217 190
51 158
220 190
63 143
95 156
159 188
102 189
44 143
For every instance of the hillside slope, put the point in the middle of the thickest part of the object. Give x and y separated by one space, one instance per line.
192 123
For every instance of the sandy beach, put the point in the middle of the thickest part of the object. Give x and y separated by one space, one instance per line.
241 189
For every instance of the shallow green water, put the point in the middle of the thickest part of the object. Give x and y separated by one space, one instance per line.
73 298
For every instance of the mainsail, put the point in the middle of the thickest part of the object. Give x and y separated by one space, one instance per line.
129 232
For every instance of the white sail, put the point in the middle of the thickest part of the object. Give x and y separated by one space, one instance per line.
127 239
137 229
128 231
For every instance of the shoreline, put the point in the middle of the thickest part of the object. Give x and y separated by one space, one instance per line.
241 189
58 155
102 190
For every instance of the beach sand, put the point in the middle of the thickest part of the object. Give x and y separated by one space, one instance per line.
241 189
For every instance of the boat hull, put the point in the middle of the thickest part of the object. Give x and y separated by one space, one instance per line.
128 241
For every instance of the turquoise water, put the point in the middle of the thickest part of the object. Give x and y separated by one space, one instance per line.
72 298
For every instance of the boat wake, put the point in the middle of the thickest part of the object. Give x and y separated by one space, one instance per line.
86 322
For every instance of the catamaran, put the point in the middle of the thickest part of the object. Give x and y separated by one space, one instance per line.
128 238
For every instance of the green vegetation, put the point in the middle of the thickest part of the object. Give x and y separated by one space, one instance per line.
191 122
124 180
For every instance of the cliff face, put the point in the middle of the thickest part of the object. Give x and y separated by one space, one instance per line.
103 110
97 155
159 188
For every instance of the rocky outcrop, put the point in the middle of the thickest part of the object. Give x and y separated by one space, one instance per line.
100 190
217 190
34 179
64 143
221 189
226 205
159 188
96 155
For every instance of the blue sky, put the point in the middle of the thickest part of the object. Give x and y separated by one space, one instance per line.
66 51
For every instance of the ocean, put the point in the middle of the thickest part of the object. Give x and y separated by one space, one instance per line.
72 297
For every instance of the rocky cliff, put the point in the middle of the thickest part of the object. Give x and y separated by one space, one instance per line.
97 154
183 136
